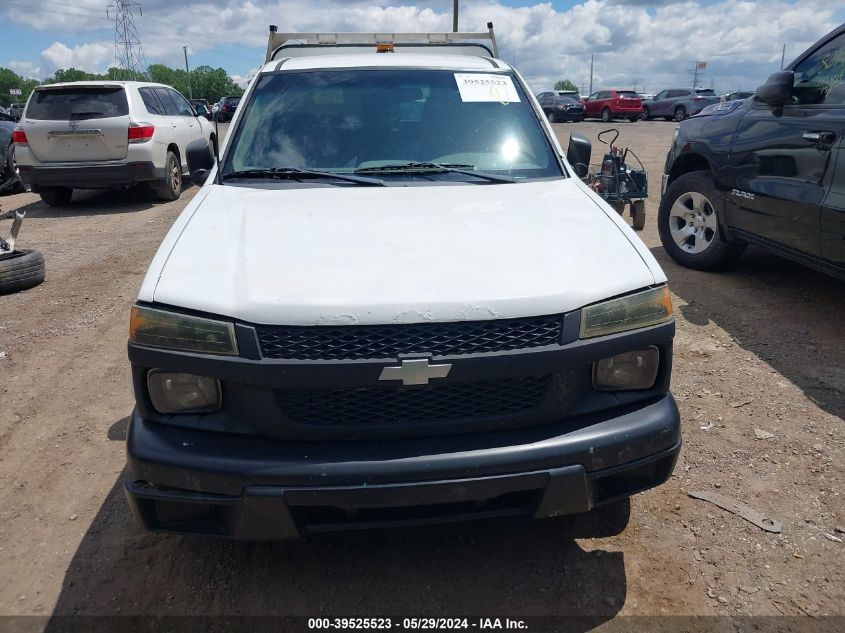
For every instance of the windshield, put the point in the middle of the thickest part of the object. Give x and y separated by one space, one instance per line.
351 120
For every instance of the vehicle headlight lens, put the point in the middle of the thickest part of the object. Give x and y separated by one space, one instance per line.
183 393
627 313
628 371
159 328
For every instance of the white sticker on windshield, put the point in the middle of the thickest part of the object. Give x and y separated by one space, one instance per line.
485 87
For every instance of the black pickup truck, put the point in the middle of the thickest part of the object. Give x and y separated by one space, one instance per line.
768 170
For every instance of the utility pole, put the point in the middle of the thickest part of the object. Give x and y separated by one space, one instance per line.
591 74
188 73
782 56
128 54
455 16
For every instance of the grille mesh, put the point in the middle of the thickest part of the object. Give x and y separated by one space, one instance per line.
381 406
389 341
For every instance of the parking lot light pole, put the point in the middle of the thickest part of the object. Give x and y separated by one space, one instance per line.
188 73
455 17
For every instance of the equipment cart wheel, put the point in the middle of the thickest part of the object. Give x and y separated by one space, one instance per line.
638 214
618 206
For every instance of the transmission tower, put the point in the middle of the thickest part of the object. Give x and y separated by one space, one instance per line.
128 54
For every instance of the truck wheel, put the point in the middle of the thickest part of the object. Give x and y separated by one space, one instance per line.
20 270
619 207
606 115
56 196
171 188
638 214
645 113
688 223
680 113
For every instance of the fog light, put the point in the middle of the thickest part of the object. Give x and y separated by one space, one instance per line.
183 393
628 371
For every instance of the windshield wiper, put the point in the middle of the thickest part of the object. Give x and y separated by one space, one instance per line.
295 173
424 165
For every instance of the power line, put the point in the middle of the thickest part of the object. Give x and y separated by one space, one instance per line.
128 53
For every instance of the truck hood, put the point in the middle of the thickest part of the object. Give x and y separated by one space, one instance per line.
366 255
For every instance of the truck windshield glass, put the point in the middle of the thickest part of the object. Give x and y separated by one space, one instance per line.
362 120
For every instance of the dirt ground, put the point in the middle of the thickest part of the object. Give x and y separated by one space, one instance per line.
759 347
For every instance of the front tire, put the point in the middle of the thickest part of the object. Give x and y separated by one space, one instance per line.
688 223
171 188
56 196
606 115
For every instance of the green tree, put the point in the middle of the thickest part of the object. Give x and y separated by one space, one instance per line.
72 74
212 83
9 79
565 84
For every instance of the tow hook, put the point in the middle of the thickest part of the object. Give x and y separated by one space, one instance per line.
8 245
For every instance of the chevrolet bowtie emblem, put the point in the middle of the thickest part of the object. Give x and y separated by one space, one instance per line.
417 371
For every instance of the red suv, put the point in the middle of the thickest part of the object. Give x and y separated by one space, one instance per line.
613 104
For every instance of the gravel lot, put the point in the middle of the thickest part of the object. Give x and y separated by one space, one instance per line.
758 347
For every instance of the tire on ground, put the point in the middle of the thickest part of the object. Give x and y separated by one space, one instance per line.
55 196
21 270
720 251
638 214
606 115
171 187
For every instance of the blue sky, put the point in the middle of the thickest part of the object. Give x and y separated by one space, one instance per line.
635 41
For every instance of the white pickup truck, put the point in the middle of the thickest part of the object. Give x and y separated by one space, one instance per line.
394 302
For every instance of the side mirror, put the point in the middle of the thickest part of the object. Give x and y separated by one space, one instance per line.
578 154
777 90
201 110
200 158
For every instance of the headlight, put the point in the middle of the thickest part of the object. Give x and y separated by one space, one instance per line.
628 371
159 328
627 313
172 392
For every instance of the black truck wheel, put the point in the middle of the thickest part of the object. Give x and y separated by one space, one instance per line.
688 223
20 270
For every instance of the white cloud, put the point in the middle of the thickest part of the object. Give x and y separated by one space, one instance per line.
640 40
94 57
28 70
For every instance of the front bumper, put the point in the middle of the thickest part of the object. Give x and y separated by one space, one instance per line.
93 176
186 481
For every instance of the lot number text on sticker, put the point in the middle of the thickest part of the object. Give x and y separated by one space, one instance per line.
480 87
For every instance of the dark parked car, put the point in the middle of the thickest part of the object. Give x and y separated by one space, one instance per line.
227 108
9 181
769 171
560 109
678 104
613 104
205 104
16 111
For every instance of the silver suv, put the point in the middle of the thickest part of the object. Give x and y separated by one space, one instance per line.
100 134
